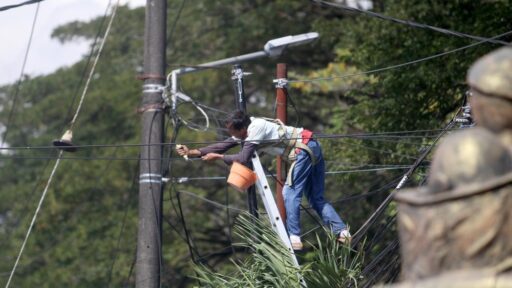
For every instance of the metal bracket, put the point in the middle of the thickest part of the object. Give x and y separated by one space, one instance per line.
151 178
153 88
281 83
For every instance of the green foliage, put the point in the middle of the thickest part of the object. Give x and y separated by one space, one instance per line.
86 232
269 263
333 265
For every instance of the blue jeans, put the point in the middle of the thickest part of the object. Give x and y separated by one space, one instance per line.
309 178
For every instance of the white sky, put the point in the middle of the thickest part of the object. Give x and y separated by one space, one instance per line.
45 54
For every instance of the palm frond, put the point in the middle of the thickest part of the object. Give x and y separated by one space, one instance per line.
270 264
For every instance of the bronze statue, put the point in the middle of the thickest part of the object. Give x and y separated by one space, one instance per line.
457 230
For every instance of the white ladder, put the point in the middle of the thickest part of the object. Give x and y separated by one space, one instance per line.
271 207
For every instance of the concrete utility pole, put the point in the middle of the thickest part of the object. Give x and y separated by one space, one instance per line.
281 82
149 238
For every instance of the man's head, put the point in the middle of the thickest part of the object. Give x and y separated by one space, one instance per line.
237 124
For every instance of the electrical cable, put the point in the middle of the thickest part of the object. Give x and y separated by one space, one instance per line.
389 249
379 233
173 26
379 150
351 198
43 195
123 222
180 180
46 188
189 242
131 268
317 135
20 79
216 204
298 121
93 68
212 109
377 70
166 173
228 220
4 8
411 23
362 230
89 58
156 205
194 126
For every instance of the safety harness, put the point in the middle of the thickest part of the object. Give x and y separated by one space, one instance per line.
292 146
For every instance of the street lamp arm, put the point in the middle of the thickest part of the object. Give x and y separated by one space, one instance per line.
275 47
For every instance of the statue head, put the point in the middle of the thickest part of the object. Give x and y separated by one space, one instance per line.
490 79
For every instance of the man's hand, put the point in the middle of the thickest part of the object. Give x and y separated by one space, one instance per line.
182 150
212 156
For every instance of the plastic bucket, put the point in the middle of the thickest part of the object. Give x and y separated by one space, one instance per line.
241 177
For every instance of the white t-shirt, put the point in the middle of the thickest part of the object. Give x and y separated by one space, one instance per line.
261 129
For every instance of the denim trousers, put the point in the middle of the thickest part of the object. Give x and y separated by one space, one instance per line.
309 179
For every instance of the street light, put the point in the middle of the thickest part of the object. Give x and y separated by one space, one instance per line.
272 48
275 47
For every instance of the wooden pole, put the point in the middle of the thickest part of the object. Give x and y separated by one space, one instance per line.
281 112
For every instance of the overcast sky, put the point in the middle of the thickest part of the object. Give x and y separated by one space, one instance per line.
45 54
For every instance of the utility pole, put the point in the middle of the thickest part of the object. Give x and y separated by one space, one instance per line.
237 75
281 82
149 238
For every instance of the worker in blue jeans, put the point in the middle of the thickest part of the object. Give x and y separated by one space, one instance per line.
296 145
309 179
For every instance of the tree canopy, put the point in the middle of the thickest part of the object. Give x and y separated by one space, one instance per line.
347 84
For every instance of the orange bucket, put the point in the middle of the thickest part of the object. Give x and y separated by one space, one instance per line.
241 177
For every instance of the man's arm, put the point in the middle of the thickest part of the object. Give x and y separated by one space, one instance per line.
219 147
244 156
214 151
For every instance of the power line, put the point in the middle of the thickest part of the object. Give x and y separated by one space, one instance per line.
398 65
378 212
317 136
57 162
411 23
20 79
181 180
93 68
43 195
89 58
214 203
3 8
173 27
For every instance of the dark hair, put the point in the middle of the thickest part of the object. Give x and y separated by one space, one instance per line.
238 120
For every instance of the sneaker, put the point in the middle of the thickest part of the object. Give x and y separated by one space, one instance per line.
344 237
296 243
